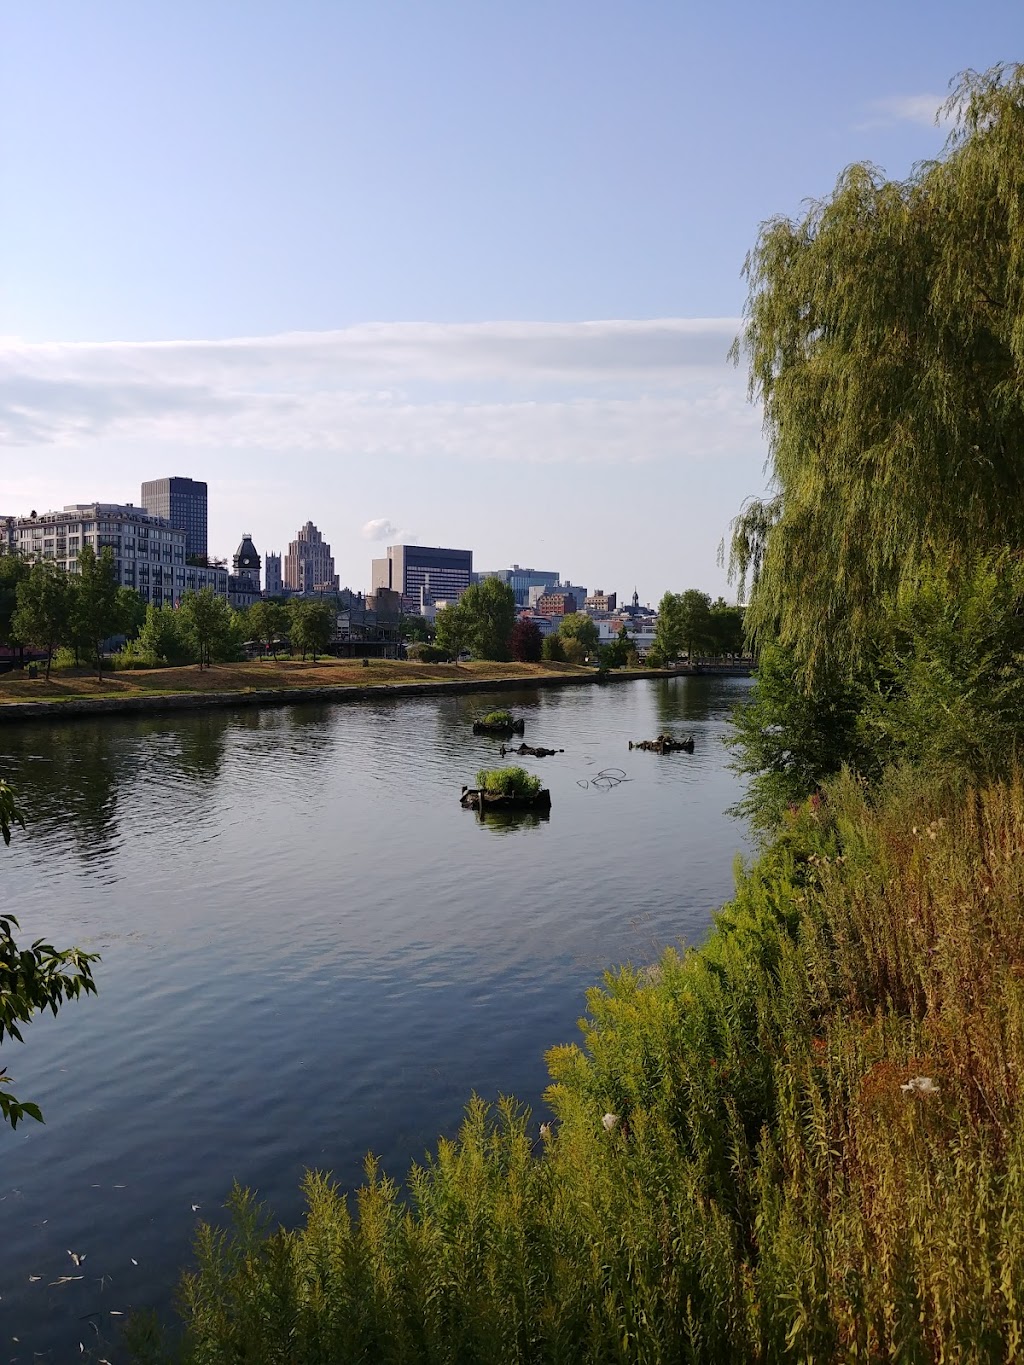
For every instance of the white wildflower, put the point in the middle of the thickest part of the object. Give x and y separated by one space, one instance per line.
920 1085
611 1122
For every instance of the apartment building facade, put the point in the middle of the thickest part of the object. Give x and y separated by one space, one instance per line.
148 552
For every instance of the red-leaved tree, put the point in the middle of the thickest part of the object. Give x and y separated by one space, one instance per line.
525 643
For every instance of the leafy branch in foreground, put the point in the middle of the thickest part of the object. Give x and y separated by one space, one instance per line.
31 979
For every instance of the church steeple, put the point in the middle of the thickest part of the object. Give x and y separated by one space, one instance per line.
636 598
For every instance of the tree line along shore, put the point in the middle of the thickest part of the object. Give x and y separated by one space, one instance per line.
803 1139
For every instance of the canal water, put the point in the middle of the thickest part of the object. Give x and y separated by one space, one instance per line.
310 951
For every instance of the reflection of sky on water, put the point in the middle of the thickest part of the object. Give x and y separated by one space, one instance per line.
311 950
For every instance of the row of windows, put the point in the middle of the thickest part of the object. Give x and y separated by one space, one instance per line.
106 528
48 548
443 582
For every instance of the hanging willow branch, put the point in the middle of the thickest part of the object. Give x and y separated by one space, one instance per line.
885 338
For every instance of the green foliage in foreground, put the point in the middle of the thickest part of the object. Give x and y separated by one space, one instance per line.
497 718
803 1142
942 689
35 978
513 781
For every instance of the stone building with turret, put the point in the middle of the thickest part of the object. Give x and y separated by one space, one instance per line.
244 579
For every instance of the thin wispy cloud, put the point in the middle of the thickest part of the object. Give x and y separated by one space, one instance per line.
607 392
925 110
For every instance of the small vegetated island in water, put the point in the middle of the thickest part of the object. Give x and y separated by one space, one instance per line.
506 789
499 723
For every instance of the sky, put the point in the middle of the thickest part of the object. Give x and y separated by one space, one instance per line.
459 273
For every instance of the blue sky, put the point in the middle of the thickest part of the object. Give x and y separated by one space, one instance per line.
372 232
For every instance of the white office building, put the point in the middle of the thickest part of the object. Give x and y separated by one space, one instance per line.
149 553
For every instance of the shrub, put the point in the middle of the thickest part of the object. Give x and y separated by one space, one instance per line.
507 782
128 659
423 653
553 649
64 658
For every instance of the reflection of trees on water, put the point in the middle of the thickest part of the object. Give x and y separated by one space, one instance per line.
305 733
454 715
200 749
67 778
691 701
71 777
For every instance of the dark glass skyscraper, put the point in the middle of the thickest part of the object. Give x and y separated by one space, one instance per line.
183 503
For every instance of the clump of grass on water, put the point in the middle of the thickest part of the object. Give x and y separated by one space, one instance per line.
513 781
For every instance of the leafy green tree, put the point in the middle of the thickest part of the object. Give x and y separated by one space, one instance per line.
726 635
526 642
164 636
695 621
684 625
553 649
668 633
621 652
885 341
13 570
43 614
454 630
490 609
945 691
787 740
131 613
95 611
32 979
208 624
311 626
267 622
578 626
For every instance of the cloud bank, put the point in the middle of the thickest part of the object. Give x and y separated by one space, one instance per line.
614 392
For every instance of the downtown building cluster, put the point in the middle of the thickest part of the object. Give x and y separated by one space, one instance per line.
160 550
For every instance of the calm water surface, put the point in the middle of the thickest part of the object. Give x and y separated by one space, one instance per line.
310 951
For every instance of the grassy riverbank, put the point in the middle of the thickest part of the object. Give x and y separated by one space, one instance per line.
802 1142
78 684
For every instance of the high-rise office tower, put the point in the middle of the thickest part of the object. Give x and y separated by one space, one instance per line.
183 503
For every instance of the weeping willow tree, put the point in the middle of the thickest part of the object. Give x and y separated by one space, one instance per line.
885 338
